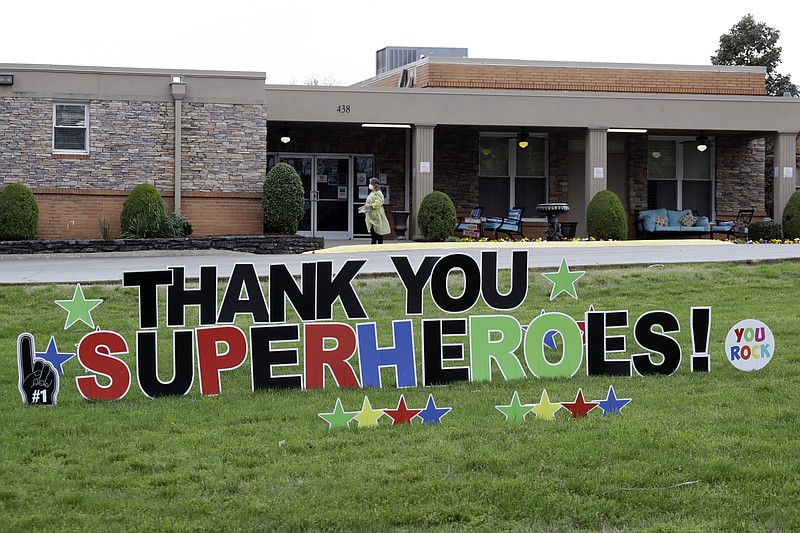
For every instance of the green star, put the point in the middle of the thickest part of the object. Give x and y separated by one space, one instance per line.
515 411
79 308
339 418
545 409
368 417
563 280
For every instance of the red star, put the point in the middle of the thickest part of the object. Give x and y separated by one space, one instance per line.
579 408
402 415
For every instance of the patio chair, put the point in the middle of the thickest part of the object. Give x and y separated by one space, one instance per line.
737 228
475 213
511 224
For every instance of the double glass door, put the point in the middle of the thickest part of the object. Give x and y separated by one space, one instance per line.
331 200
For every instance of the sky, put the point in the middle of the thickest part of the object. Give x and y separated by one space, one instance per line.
335 42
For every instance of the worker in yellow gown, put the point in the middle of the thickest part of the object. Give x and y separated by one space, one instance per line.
377 223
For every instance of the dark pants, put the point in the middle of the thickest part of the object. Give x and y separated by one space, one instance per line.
376 239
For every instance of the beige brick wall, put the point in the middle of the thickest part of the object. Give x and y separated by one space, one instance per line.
628 80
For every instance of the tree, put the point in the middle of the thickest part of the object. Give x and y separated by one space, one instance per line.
755 44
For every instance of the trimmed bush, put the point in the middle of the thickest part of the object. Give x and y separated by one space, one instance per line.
143 201
157 224
791 217
606 218
19 213
283 200
437 217
764 231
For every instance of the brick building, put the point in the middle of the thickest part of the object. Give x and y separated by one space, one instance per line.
81 138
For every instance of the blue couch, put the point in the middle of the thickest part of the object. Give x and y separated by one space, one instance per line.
671 223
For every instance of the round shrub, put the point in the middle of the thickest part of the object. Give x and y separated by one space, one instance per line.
283 200
437 217
764 231
791 217
19 213
143 202
606 218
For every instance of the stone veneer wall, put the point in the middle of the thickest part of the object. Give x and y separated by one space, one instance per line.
558 166
254 244
132 142
740 176
637 173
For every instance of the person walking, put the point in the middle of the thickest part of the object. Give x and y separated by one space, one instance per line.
377 223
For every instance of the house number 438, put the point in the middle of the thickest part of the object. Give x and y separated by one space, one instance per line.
344 108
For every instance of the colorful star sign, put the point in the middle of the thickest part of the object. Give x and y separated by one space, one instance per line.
612 405
545 409
402 415
516 410
432 414
56 358
563 280
79 308
368 417
339 418
579 408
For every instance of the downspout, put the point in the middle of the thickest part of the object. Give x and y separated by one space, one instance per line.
178 92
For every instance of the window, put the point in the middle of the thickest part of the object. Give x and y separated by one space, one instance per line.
510 176
679 176
71 128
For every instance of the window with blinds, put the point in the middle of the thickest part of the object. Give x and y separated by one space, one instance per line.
71 128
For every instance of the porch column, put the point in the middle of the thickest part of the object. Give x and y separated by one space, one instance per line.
421 170
596 162
785 171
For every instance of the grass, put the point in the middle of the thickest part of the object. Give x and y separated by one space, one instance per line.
691 452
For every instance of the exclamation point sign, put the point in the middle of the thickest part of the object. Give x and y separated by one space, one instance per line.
701 332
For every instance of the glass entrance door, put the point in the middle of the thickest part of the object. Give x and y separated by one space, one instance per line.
326 188
332 179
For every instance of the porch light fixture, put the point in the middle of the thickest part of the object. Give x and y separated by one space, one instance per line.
522 139
377 125
702 142
286 136
6 79
626 130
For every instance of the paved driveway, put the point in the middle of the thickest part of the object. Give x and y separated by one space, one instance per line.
109 267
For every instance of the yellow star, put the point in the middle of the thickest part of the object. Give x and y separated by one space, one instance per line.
368 417
544 409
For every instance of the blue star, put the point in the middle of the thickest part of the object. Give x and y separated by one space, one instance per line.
550 339
432 414
612 405
54 356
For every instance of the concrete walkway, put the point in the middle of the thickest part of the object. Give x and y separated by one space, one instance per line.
109 267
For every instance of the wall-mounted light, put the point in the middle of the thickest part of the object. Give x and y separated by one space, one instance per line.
656 155
486 151
286 135
522 139
6 79
626 130
702 142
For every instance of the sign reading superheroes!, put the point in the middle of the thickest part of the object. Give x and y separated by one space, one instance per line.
351 353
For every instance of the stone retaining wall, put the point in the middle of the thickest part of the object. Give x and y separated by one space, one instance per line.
254 244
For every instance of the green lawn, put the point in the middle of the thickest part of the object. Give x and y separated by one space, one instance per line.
691 452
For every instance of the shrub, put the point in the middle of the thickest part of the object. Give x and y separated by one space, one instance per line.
791 217
144 200
606 218
157 224
283 200
764 231
19 213
437 217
